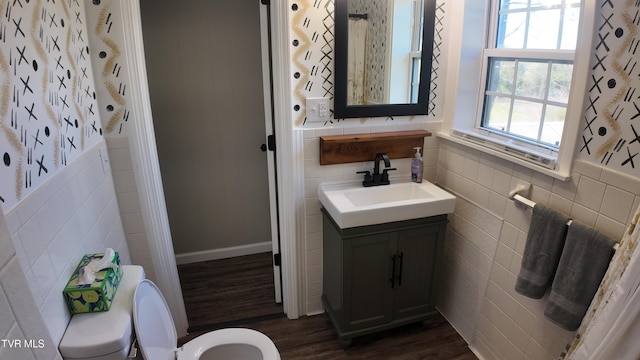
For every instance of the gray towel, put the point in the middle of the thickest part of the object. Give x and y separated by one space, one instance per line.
542 251
583 263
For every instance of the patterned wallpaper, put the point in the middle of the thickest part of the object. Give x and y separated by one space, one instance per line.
50 114
435 102
611 123
112 77
48 109
312 44
610 133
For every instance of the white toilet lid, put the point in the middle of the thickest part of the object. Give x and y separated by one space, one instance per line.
155 329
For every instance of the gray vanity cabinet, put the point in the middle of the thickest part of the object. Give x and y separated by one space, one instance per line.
380 276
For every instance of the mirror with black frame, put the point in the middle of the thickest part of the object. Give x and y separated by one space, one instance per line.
382 66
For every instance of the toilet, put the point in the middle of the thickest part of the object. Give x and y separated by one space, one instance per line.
139 313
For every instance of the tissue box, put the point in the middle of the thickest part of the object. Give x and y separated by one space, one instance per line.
96 296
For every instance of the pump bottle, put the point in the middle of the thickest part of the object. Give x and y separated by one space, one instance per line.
416 166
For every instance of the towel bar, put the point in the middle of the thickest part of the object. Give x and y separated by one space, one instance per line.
523 200
530 204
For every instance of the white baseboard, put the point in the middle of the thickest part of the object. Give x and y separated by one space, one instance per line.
216 254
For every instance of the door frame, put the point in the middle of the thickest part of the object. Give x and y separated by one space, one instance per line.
265 42
290 195
290 169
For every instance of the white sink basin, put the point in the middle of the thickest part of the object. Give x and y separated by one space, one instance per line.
351 205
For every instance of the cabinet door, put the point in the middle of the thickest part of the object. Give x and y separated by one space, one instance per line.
417 251
368 293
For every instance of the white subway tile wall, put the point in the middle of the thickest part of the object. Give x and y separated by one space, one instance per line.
19 320
485 242
72 214
129 203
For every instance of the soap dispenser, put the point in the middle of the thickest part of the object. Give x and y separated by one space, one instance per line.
416 166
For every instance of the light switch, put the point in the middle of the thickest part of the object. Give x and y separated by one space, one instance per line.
318 110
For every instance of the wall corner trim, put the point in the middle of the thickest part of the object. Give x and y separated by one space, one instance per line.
290 167
147 169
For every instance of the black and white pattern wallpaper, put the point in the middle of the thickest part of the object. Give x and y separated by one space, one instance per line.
112 77
312 32
49 114
312 52
436 66
611 123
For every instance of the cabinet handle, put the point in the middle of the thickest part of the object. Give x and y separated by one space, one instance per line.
393 271
401 256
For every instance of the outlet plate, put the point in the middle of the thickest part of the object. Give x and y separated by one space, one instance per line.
318 110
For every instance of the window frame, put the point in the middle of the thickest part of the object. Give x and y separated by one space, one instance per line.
472 52
416 53
516 55
491 51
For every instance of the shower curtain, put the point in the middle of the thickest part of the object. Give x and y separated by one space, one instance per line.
611 328
356 65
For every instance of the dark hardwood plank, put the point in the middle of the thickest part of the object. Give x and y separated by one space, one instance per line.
226 290
313 337
214 303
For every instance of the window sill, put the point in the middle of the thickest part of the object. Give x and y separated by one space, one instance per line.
448 135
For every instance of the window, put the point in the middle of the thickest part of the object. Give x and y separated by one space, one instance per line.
406 51
529 68
416 46
529 98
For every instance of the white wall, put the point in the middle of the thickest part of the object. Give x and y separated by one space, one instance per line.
72 214
485 241
18 320
128 201
487 233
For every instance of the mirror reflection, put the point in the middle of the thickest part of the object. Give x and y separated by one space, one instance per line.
381 66
384 51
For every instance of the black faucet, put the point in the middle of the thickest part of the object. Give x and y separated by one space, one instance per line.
376 162
377 178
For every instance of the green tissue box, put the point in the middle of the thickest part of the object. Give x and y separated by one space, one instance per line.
97 296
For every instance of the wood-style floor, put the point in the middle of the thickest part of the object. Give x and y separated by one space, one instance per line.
239 292
221 292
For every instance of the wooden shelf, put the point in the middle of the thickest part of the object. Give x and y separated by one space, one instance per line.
341 149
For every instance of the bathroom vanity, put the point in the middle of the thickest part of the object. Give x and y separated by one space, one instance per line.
381 276
382 247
